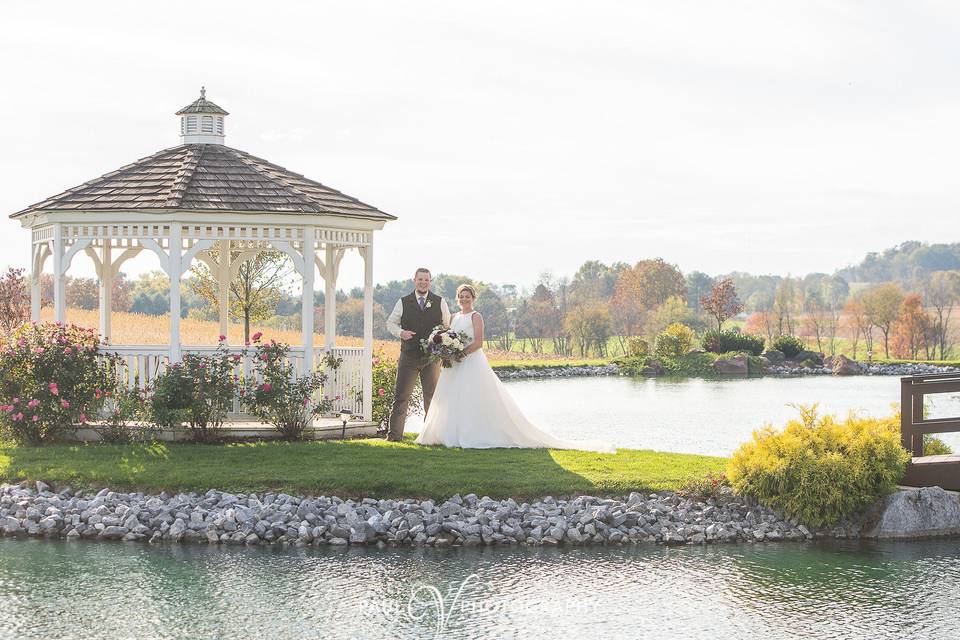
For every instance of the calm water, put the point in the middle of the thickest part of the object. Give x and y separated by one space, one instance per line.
113 590
695 415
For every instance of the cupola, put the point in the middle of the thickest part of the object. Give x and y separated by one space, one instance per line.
201 121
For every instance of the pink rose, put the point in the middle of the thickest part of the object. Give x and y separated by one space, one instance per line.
97 394
264 357
337 398
222 338
39 350
65 404
381 392
36 418
33 403
266 387
306 401
17 417
68 350
53 388
256 337
83 418
376 361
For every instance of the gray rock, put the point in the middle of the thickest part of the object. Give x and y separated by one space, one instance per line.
914 513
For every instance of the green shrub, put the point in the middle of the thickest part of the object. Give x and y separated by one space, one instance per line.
384 386
674 341
818 469
276 395
789 346
51 378
732 340
934 446
125 415
694 365
198 392
637 347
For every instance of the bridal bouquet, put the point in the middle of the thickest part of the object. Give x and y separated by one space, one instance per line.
445 346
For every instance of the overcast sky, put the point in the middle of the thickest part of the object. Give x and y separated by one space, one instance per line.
513 138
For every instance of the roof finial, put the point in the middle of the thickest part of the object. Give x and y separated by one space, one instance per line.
203 93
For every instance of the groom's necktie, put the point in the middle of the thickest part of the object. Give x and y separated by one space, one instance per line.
421 302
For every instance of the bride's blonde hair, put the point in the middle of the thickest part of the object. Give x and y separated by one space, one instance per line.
467 287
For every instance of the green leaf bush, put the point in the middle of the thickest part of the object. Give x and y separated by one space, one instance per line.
276 395
818 469
789 346
51 379
732 340
675 341
198 392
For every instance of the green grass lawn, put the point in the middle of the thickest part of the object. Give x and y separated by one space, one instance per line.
353 468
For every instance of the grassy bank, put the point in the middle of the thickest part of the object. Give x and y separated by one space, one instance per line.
354 468
520 365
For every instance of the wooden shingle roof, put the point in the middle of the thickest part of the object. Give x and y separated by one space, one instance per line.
207 177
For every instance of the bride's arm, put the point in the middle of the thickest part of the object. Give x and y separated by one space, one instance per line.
477 343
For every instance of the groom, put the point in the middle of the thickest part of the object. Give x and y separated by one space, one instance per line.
412 319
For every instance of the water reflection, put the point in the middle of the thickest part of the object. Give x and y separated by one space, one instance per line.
100 590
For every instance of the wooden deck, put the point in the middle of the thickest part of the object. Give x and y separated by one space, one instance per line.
323 429
930 471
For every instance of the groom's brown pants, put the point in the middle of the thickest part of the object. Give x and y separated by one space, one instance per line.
411 365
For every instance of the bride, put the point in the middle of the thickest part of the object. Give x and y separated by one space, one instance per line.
472 409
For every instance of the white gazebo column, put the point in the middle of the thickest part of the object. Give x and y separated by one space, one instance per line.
367 367
306 301
174 271
330 299
106 289
36 266
223 286
59 290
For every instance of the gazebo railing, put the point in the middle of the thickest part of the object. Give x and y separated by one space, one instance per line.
141 364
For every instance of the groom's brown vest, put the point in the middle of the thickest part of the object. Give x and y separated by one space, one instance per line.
420 322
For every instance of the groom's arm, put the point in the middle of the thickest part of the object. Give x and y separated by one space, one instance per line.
393 320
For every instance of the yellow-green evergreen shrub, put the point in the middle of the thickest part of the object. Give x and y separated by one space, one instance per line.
819 469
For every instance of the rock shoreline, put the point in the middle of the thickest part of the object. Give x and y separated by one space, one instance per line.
558 372
278 519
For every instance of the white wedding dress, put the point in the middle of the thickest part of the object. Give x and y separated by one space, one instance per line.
472 409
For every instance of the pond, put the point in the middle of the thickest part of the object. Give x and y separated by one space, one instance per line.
692 415
84 590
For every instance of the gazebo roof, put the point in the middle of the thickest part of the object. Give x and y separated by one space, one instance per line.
202 105
207 177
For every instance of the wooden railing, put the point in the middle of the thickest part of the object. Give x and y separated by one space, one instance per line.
142 363
942 471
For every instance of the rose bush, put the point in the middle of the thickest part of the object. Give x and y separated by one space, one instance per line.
51 378
276 395
384 384
198 392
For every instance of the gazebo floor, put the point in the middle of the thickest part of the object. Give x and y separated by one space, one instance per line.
322 429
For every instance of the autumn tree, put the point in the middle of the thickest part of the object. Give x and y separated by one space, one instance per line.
912 327
855 319
785 306
723 302
254 293
882 306
538 318
14 301
589 329
642 288
942 292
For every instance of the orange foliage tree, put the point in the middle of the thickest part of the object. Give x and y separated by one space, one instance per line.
912 328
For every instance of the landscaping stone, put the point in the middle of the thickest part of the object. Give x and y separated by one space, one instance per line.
558 372
841 365
735 366
914 513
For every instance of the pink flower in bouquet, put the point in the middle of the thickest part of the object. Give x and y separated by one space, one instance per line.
437 339
53 388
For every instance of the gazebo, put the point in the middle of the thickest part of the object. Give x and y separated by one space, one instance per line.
204 200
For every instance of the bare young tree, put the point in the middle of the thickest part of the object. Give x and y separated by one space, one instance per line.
14 301
942 292
723 302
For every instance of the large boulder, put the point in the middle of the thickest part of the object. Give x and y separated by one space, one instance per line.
805 355
841 365
773 355
735 366
915 513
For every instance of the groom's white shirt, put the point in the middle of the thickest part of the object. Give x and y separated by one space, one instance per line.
393 320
